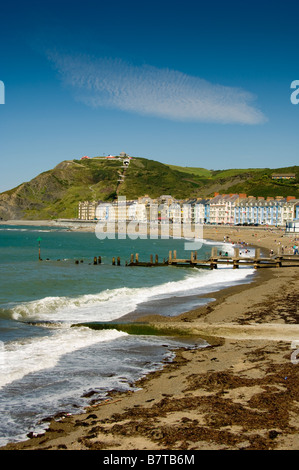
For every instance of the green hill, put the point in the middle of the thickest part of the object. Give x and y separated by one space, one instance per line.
57 192
253 181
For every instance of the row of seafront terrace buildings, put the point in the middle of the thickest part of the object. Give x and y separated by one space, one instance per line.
232 209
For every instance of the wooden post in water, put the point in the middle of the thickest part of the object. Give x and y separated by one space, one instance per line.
279 257
174 255
118 261
236 258
132 259
213 263
192 257
156 259
113 261
257 256
170 258
151 259
39 255
95 261
137 258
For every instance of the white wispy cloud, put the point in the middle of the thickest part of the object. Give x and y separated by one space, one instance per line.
152 91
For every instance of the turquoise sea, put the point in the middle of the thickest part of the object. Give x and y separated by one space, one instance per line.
47 366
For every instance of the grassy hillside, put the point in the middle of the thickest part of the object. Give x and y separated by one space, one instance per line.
253 181
153 178
57 192
201 172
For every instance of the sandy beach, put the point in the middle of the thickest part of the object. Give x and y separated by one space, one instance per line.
240 392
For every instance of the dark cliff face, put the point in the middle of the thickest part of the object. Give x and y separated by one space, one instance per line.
10 208
41 196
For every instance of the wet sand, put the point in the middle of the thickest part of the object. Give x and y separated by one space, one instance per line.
241 392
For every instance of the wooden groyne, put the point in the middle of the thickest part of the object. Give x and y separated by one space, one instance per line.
212 262
216 259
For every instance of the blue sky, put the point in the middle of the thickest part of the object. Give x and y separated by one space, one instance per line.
190 83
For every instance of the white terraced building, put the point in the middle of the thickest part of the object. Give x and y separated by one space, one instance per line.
233 209
270 211
222 208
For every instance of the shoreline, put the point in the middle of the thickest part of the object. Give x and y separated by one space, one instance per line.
210 232
241 392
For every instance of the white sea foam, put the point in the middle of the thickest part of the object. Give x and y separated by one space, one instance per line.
33 355
111 304
59 229
22 357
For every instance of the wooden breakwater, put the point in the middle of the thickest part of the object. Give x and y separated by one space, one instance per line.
216 259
